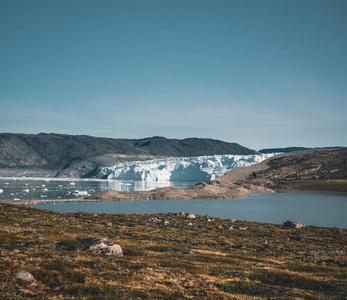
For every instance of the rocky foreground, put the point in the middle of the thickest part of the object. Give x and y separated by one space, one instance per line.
52 255
320 170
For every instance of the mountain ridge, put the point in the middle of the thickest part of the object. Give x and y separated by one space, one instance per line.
294 148
62 155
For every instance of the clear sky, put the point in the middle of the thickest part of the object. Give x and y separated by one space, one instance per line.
260 73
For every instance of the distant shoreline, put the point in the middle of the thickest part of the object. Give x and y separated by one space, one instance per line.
332 186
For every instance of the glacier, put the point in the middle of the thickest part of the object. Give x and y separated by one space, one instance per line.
201 168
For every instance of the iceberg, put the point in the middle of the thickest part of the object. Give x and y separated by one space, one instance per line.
81 193
201 168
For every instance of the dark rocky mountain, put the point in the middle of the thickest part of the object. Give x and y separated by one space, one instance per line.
59 155
291 149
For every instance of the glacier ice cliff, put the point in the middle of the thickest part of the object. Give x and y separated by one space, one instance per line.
201 168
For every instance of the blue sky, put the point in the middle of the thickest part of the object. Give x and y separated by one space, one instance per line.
260 73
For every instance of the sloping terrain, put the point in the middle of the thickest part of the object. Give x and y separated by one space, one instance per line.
166 256
291 149
58 155
316 169
324 170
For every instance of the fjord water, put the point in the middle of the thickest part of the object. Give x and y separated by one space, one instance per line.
71 188
310 208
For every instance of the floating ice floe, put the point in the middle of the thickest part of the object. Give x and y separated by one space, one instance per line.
81 193
26 190
1 191
72 183
201 168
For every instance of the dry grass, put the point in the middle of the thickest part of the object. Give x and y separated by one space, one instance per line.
174 261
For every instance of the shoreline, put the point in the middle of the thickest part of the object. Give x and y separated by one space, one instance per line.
273 189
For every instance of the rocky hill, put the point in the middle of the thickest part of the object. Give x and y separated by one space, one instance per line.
58 155
291 149
315 169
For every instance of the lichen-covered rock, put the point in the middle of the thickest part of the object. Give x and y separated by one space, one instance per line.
93 244
291 224
25 276
191 216
101 245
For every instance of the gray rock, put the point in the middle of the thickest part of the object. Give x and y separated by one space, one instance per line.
101 245
92 244
291 224
225 227
191 216
33 234
25 276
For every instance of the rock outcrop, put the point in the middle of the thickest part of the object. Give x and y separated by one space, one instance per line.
92 244
101 245
25 276
291 224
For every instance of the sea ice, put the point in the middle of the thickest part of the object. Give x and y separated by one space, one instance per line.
1 191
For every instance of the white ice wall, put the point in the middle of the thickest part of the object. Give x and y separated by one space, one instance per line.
201 168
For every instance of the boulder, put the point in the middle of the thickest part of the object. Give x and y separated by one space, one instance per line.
92 244
25 276
191 216
101 245
291 224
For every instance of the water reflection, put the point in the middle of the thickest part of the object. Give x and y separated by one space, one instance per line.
68 188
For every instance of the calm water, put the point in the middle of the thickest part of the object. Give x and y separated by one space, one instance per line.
41 188
310 208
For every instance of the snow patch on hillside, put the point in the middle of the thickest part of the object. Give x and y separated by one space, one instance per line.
201 168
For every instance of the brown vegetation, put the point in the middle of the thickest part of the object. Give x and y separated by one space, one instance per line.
167 256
